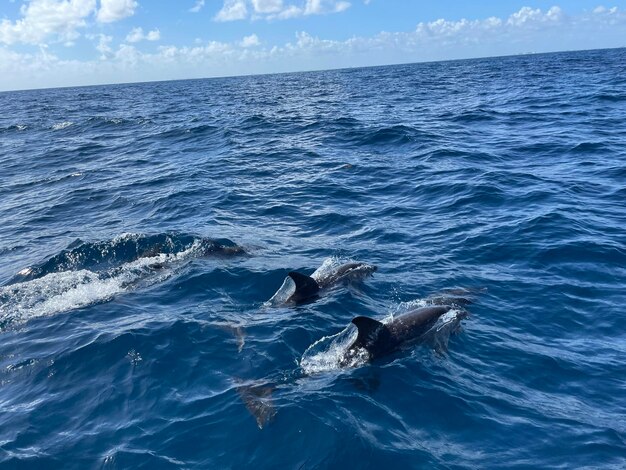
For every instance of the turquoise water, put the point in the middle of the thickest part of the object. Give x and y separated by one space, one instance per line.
145 226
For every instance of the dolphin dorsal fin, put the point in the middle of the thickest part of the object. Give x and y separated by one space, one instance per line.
369 329
306 286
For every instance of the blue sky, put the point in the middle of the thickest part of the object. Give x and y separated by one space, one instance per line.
49 43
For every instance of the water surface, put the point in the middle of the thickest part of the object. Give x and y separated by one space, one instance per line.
124 345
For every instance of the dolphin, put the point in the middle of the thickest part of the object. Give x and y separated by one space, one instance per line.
112 254
378 339
298 288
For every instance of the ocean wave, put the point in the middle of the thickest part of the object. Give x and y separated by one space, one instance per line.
14 127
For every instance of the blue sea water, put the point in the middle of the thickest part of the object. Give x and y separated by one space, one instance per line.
126 343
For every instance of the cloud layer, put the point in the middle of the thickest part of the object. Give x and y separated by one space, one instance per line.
114 10
233 10
132 57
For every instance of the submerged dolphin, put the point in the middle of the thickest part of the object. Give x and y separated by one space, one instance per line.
258 401
378 339
298 288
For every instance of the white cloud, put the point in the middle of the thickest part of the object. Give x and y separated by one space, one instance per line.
114 10
313 7
277 9
137 35
232 10
153 35
341 6
128 55
528 16
267 6
197 7
42 19
104 46
288 12
602 10
60 20
250 41
525 30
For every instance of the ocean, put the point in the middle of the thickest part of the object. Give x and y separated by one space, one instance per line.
143 228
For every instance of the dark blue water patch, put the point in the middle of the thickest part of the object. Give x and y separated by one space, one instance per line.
124 344
476 115
611 98
184 133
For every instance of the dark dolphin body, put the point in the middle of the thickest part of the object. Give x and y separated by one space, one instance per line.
306 288
219 247
109 255
379 339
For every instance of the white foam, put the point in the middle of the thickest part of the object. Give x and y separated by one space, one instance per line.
327 267
438 335
61 125
404 307
330 353
68 290
54 293
124 237
329 270
25 271
449 317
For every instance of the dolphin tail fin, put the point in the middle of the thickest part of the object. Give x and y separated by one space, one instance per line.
258 401
306 286
369 331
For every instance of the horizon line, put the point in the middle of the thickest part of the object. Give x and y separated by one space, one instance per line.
393 64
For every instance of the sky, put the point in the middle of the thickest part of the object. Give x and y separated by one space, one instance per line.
53 43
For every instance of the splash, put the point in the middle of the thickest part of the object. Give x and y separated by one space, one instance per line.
331 353
90 273
68 290
327 267
283 294
438 335
330 270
